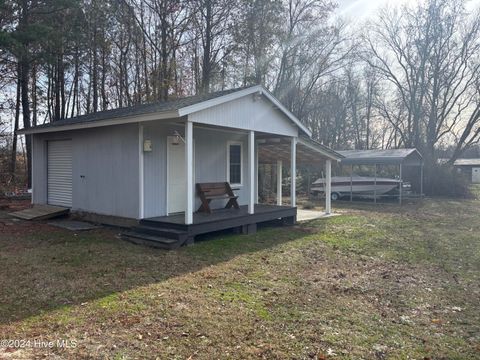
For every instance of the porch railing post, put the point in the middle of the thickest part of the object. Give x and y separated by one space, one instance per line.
293 172
251 173
189 171
328 186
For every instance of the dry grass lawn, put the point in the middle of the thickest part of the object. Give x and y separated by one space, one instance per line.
378 282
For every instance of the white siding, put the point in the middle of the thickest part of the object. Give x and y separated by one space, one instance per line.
104 169
247 113
210 159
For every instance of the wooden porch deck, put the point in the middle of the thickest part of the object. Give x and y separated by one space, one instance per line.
172 232
221 219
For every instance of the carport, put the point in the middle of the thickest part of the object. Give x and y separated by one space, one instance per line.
403 159
278 151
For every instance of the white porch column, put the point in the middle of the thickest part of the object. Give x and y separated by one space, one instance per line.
293 172
256 173
328 186
279 182
141 191
189 171
251 172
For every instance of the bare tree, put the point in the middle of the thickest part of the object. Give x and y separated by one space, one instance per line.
428 54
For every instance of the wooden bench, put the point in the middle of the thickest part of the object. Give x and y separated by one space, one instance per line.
216 191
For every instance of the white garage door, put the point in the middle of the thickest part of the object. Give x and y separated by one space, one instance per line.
59 173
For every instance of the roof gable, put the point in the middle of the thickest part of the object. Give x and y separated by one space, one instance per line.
161 110
247 113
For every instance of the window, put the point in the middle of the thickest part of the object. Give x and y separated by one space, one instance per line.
234 162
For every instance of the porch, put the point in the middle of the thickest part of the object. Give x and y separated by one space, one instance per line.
197 154
172 231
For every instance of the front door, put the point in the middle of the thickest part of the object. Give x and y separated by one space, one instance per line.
177 184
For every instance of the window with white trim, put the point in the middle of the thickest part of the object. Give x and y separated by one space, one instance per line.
234 163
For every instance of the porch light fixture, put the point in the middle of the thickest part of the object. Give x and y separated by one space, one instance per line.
176 138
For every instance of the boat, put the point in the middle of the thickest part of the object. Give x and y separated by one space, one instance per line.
357 185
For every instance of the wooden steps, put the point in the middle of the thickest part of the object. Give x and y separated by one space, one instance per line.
158 237
151 240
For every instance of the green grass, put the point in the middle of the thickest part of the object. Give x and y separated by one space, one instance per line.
377 282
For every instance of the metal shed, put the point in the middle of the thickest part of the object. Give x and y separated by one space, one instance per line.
397 157
469 167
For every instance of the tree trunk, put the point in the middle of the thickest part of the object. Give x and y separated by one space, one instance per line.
207 66
24 79
13 163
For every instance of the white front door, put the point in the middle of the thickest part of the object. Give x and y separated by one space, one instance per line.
176 179
476 175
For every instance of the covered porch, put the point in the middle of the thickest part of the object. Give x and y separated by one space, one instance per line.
198 154
207 153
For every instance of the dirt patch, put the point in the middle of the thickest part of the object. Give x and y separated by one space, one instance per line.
10 205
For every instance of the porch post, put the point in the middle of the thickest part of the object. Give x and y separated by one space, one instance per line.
279 182
400 190
328 186
189 171
421 181
141 191
251 173
256 173
293 172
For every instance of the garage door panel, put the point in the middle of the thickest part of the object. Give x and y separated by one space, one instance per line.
59 173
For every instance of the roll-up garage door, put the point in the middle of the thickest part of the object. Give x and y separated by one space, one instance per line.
59 173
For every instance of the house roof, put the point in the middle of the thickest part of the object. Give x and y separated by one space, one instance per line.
161 110
381 157
467 162
320 148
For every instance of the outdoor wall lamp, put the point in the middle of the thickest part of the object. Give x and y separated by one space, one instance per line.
176 138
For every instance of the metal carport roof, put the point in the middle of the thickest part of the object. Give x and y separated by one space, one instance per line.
381 157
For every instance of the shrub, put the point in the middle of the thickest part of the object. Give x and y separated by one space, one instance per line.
445 180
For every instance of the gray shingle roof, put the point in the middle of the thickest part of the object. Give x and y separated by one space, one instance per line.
383 156
157 107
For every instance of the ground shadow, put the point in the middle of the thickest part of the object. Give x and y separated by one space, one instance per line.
45 268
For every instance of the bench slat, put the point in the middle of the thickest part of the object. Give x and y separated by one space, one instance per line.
221 197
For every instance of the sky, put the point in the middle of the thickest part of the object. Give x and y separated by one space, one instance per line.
363 9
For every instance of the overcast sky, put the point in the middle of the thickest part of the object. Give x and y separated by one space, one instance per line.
362 9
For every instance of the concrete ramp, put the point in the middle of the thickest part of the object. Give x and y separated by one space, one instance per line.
308 215
40 212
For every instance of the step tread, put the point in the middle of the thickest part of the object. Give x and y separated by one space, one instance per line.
160 225
160 229
149 237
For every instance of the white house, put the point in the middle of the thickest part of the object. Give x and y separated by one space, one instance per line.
142 163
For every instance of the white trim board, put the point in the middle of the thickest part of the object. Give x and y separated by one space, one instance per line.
101 123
